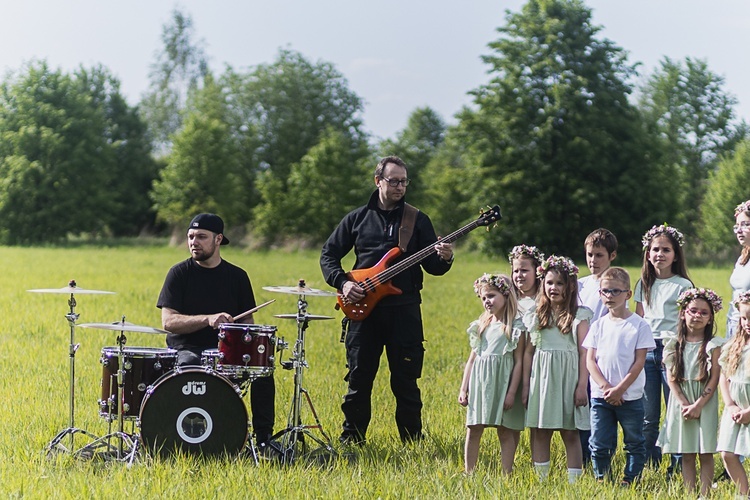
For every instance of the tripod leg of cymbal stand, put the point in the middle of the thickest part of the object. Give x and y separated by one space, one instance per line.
56 444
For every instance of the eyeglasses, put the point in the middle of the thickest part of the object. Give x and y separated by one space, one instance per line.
741 226
697 312
611 292
395 182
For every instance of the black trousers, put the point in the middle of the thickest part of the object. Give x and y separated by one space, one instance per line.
262 396
398 329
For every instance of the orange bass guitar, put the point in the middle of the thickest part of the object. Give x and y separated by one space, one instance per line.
376 280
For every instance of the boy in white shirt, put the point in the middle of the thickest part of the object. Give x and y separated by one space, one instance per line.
616 345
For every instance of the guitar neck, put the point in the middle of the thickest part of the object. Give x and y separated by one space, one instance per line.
400 266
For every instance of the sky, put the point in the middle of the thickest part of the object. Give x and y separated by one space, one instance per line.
396 54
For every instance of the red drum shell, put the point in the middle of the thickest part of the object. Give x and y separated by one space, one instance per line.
247 348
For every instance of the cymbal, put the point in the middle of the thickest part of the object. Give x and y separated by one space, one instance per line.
307 316
119 326
299 290
68 289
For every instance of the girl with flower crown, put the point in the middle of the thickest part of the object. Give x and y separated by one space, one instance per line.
524 260
740 278
734 428
692 362
663 278
555 374
492 377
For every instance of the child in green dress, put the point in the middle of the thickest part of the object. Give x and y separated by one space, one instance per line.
554 367
492 376
692 364
734 427
524 260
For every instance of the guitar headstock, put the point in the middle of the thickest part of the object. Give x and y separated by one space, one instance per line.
487 218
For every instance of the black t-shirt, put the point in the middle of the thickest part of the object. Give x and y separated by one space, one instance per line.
192 289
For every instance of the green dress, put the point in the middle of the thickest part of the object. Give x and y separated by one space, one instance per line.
734 437
554 376
690 436
490 377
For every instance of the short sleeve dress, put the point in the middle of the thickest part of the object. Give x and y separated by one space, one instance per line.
690 436
554 376
490 377
734 437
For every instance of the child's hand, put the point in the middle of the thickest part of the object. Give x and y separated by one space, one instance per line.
613 396
509 400
463 398
580 396
742 417
692 411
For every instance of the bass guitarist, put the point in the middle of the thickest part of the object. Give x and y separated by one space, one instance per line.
395 322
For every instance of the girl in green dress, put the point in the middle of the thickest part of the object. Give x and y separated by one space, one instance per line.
492 376
554 366
734 428
691 359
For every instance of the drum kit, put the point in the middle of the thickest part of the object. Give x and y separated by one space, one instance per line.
191 409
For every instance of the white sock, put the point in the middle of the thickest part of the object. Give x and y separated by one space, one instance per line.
574 474
542 470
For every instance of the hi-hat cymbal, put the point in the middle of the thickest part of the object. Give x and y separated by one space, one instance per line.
307 316
120 326
68 289
299 290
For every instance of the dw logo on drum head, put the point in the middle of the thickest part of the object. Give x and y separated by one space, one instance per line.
196 388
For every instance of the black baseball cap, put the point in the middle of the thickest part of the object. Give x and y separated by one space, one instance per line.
210 222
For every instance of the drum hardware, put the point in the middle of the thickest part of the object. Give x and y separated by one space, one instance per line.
125 445
57 442
292 438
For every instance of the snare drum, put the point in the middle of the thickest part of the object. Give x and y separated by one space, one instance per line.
193 410
143 366
247 348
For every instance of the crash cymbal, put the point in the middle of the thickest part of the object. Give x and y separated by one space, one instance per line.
120 326
299 290
307 316
68 289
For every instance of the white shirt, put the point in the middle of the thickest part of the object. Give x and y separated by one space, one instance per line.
588 295
661 311
616 341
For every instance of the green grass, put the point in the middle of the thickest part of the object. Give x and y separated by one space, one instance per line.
34 337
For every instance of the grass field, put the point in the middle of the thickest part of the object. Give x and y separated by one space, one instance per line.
34 367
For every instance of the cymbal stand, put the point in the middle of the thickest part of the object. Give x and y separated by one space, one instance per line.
57 442
292 437
126 445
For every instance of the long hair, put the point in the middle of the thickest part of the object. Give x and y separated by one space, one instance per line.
678 369
734 351
564 316
509 311
648 273
742 209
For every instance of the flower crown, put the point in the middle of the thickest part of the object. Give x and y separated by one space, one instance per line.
557 262
525 250
663 229
744 298
500 282
700 293
742 207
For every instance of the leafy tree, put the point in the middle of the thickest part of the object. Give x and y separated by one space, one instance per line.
203 173
727 188
282 110
134 169
553 137
687 107
416 144
62 155
309 208
180 68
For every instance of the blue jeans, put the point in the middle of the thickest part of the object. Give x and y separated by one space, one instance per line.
656 385
603 442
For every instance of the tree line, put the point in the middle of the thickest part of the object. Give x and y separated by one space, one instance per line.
559 136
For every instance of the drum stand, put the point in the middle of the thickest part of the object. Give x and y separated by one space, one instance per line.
126 446
292 440
56 445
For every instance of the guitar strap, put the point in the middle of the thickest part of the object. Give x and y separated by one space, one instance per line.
406 229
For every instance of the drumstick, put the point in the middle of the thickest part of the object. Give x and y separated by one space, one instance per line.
254 309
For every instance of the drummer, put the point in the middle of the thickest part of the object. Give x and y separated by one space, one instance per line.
201 293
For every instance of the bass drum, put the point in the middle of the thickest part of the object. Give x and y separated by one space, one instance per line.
193 410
